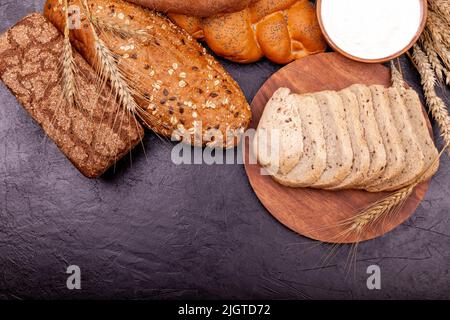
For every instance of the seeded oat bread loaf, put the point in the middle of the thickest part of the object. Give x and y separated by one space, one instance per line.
184 90
285 119
88 133
314 160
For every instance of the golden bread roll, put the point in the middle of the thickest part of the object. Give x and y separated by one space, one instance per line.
281 30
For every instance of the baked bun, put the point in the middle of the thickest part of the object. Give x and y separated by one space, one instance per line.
204 8
281 30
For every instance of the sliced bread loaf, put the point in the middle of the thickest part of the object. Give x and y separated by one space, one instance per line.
361 153
395 153
371 133
414 163
313 162
419 124
337 137
279 140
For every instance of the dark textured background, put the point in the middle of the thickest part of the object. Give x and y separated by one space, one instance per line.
155 230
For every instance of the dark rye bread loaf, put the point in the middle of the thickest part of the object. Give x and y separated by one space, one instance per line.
183 89
30 56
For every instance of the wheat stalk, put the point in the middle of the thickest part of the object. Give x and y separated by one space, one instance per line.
435 103
68 63
383 208
427 44
396 77
439 32
441 8
120 30
108 69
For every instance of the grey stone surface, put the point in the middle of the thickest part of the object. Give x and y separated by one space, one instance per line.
155 230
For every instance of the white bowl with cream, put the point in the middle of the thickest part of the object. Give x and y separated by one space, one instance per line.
372 30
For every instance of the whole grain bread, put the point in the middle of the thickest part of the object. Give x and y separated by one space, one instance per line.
337 137
94 133
421 131
371 133
397 156
414 163
314 159
183 89
361 153
279 134
395 153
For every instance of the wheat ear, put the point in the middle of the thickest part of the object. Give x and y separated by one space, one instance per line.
439 31
109 70
442 8
435 103
120 30
385 207
396 77
428 47
68 63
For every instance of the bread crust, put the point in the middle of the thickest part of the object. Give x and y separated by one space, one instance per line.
183 89
204 8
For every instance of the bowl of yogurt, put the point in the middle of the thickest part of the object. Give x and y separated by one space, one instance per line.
372 31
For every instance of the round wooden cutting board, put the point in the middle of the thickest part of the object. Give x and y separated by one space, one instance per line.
316 213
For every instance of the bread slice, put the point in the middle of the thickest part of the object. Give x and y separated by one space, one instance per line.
337 137
314 160
279 139
414 163
395 152
371 133
423 136
361 153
